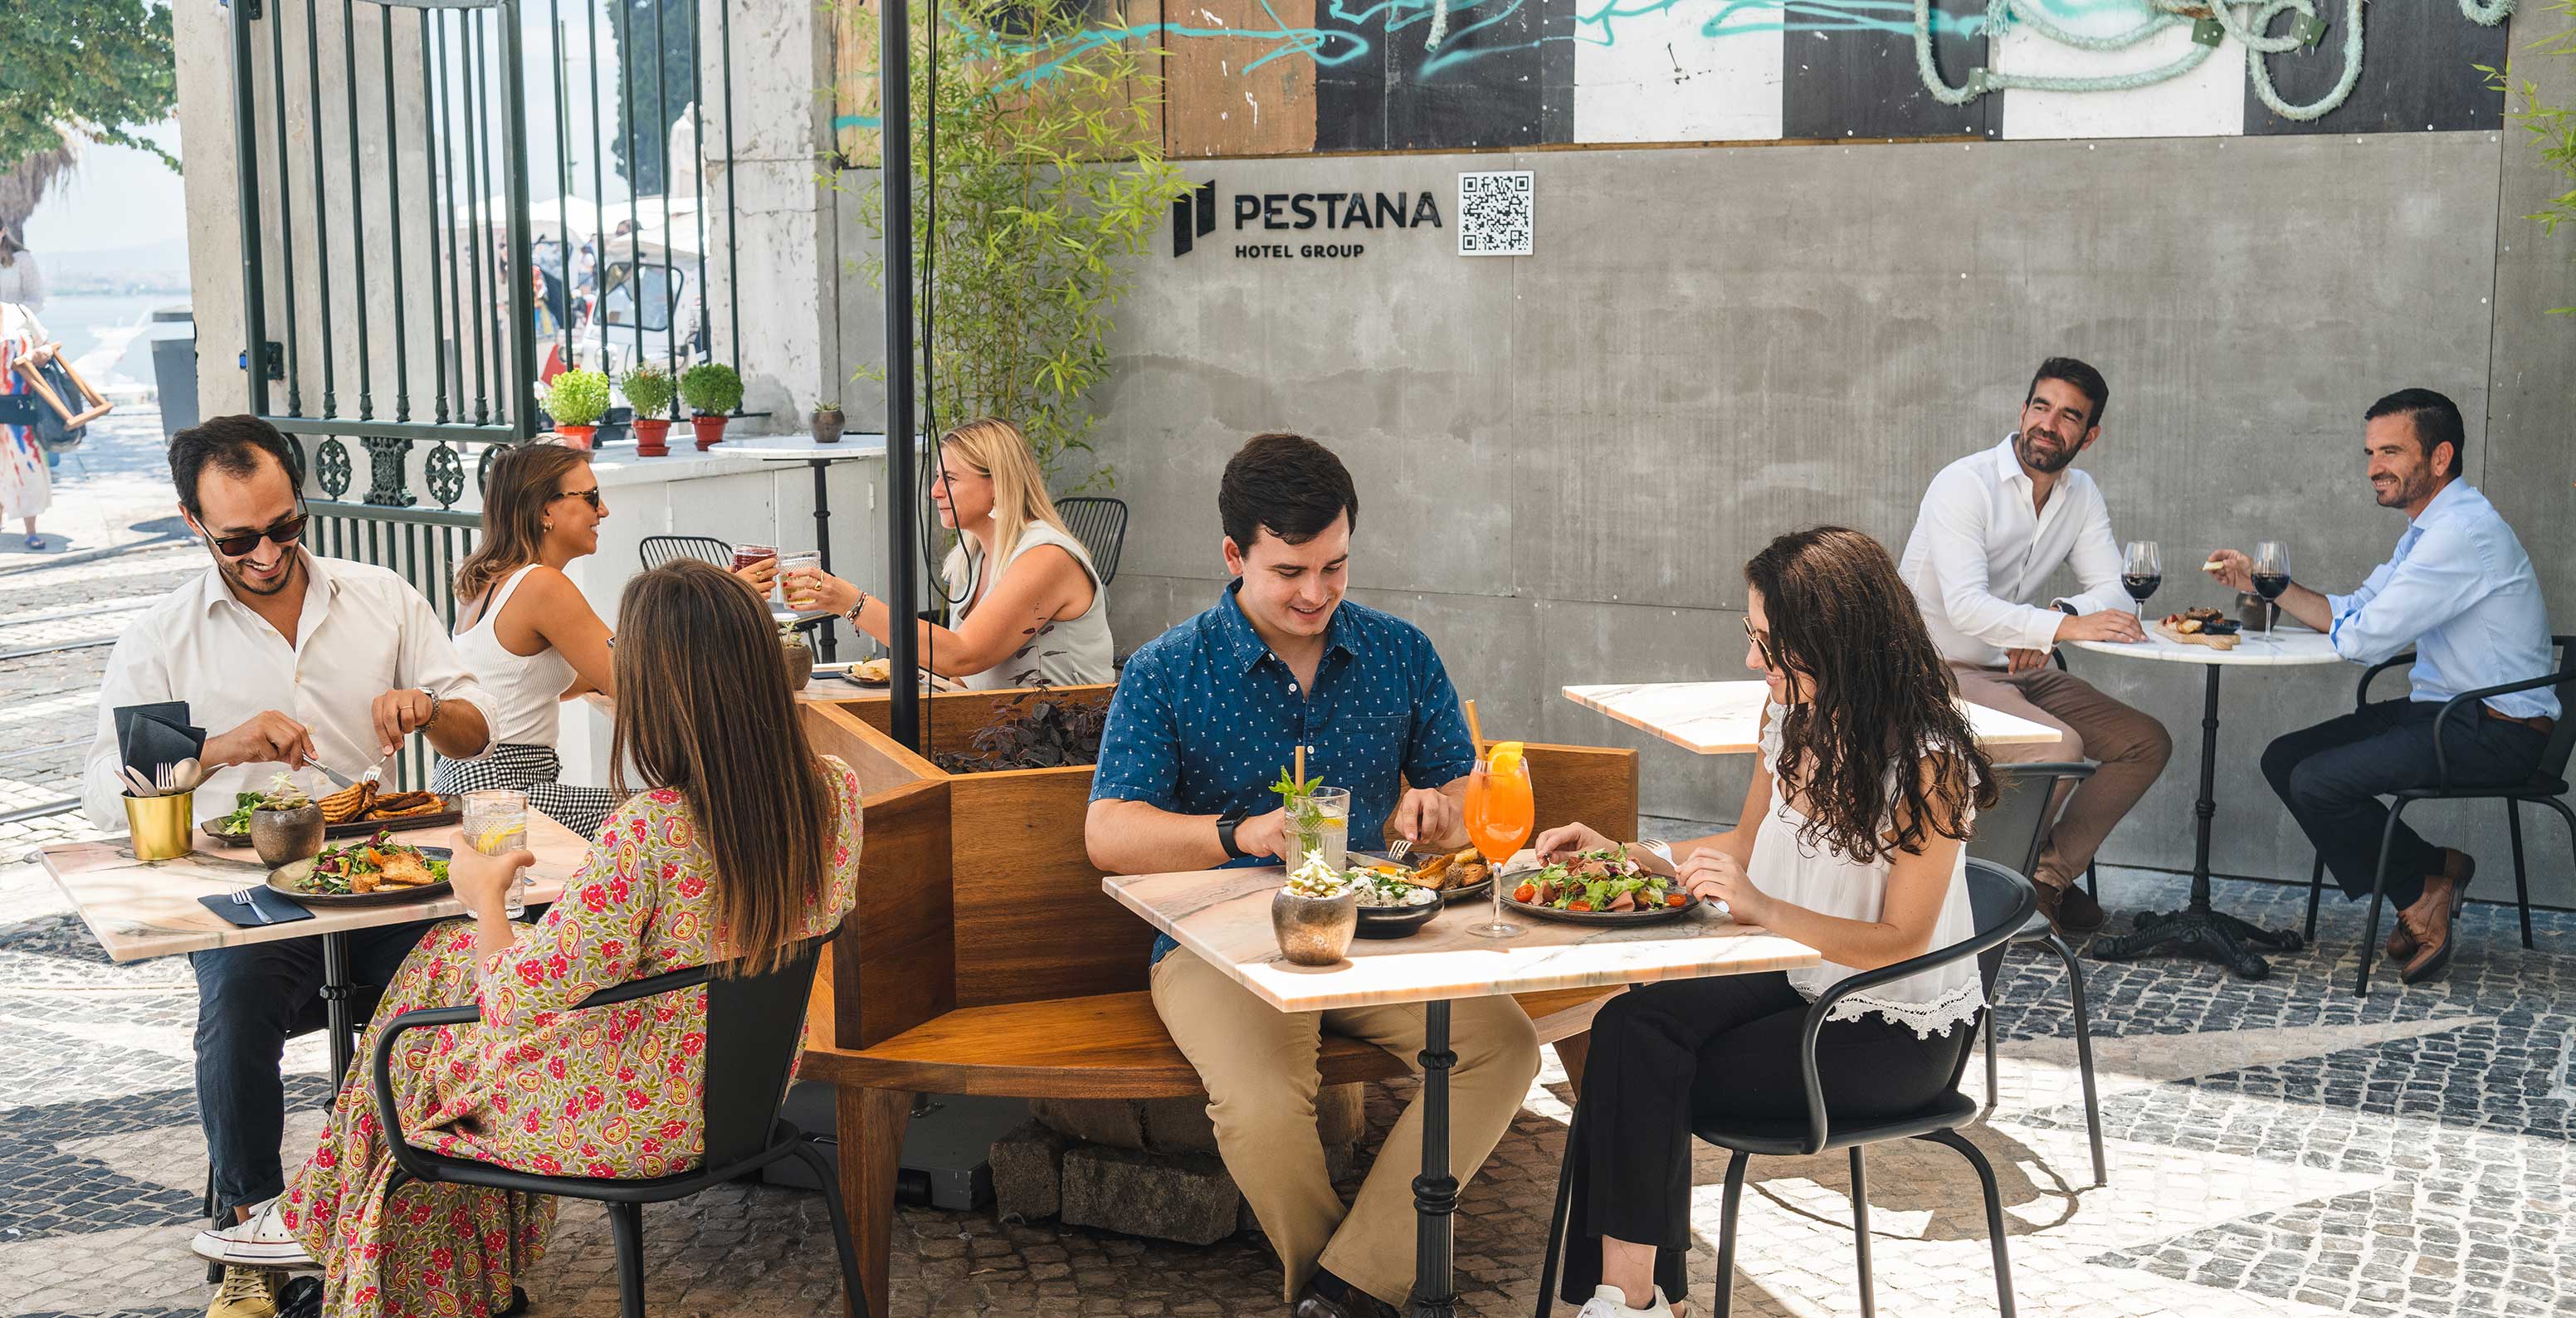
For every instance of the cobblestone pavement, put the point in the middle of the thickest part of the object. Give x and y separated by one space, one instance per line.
2276 1149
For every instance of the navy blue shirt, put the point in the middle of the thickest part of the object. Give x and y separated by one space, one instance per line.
1206 716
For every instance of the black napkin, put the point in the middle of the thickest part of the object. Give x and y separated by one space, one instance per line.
149 736
268 902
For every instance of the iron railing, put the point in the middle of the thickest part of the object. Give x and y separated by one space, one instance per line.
400 286
425 546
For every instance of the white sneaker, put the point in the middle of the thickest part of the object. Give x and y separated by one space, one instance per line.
1611 1302
262 1241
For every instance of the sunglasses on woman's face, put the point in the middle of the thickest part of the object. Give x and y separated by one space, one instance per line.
589 496
1762 644
283 533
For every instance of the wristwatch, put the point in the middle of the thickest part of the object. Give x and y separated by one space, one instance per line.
432 716
1225 826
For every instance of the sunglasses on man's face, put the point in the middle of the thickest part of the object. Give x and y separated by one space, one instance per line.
281 534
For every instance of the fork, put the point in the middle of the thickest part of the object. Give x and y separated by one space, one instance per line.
241 897
1399 849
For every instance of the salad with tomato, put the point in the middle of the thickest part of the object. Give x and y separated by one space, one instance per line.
1604 879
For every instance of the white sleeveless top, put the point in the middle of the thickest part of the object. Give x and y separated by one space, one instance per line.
526 689
1830 883
1066 652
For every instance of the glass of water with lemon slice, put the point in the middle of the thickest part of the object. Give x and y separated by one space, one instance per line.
496 823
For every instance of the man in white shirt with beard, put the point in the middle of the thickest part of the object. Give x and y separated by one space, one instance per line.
294 657
1993 527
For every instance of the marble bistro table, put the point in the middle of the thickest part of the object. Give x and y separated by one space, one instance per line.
2196 929
142 909
1725 718
1223 916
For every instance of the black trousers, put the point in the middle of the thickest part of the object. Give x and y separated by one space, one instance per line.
2331 777
249 1000
1668 1053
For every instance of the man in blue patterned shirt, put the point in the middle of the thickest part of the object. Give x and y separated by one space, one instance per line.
1206 716
2462 592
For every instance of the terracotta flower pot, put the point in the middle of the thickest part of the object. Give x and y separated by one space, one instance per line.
799 658
710 429
576 436
652 436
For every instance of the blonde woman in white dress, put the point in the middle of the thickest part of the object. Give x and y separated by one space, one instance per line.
1031 607
1849 842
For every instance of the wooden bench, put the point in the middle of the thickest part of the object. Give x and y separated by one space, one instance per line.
983 957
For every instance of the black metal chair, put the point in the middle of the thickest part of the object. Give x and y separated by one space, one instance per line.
2010 835
755 1027
660 549
1101 525
2547 784
2003 901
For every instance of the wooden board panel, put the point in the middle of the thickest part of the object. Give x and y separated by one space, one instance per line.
1350 93
955 716
1588 784
2416 74
1213 104
1032 921
1861 82
881 762
893 966
1482 88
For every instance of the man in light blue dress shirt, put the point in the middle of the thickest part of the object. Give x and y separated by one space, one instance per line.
2461 591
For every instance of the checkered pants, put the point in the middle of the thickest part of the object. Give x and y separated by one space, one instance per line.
533 769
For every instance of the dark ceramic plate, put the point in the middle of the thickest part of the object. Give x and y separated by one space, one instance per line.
359 827
1447 895
1396 921
1658 915
285 881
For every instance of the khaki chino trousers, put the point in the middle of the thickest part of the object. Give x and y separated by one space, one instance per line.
1259 1067
2130 746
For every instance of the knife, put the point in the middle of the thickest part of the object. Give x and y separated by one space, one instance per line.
337 778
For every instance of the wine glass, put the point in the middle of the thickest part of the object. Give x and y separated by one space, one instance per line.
1499 816
2142 570
2271 577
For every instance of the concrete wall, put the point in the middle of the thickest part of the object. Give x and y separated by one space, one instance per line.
1564 459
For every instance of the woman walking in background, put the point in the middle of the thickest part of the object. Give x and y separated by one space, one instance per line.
742 844
26 486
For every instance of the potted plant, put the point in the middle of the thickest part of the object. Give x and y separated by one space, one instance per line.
577 399
798 655
712 390
285 823
650 390
827 422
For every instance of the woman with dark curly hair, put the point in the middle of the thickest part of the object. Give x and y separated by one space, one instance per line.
1849 842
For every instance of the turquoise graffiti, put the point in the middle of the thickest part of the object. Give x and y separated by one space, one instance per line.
1458 33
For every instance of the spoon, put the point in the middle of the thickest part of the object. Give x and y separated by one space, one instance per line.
142 786
189 773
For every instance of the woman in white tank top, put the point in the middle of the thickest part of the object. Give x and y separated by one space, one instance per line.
1042 615
528 633
1849 842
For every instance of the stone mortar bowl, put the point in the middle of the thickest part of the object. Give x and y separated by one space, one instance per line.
1314 931
799 658
282 837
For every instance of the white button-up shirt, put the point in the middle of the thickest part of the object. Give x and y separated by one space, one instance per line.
1979 554
363 632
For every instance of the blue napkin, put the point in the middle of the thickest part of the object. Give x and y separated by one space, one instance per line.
267 907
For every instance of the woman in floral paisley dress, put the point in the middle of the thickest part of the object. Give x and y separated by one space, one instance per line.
700 867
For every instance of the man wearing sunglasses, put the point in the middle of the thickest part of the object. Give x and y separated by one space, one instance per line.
295 658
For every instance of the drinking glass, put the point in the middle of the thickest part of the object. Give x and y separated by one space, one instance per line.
496 823
2142 569
1499 815
746 555
790 562
1330 836
2271 577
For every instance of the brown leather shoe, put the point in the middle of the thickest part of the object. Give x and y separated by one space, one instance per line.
2430 918
2401 942
2070 910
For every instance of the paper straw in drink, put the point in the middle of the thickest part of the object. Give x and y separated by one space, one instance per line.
496 823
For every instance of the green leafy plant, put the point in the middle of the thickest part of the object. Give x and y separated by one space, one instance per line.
1305 816
577 398
711 389
93 70
649 389
1048 178
2552 128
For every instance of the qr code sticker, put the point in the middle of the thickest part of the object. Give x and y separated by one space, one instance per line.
1497 209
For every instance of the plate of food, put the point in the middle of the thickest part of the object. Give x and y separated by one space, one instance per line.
1391 905
2201 626
1597 887
1456 876
375 872
355 811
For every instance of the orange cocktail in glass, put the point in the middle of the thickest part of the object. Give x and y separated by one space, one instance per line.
1499 816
